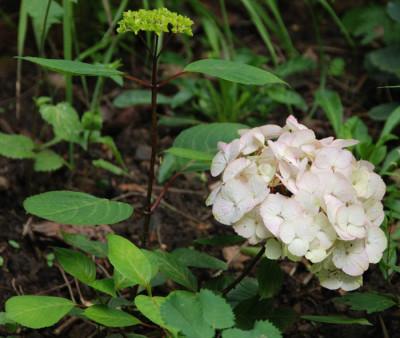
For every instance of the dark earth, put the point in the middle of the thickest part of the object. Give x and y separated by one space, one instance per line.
183 216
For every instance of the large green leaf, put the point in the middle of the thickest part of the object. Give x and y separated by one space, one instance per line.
203 138
150 307
176 271
130 98
110 317
337 320
386 59
77 208
129 260
286 96
77 264
191 257
37 311
48 161
270 278
190 154
216 311
331 104
16 146
65 121
105 285
366 302
233 71
73 67
391 122
185 313
82 242
261 329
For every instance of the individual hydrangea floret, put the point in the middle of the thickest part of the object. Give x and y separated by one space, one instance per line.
302 197
156 20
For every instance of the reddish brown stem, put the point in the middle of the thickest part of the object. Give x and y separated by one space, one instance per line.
166 187
137 80
169 79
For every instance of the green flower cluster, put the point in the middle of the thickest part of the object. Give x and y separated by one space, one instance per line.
156 20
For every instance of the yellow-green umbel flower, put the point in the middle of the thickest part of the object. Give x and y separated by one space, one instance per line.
156 20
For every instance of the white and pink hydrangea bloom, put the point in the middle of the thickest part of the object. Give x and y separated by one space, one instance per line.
301 196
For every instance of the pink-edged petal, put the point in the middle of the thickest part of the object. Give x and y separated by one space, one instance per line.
292 209
213 195
234 168
293 125
271 131
375 244
351 283
287 232
331 279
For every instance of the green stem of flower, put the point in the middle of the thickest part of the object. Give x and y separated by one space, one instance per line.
154 89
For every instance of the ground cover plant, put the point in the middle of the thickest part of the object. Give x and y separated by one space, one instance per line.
317 201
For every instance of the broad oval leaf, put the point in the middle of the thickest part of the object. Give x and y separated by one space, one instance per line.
330 102
203 138
129 260
192 257
82 242
105 285
150 308
216 311
16 146
185 313
191 154
366 302
73 67
77 208
130 98
233 71
77 264
176 271
270 278
65 121
48 161
37 311
110 317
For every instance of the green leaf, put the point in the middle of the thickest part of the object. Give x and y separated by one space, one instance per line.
216 311
130 98
82 242
150 308
331 104
109 142
233 71
65 121
203 138
153 262
76 264
129 260
191 154
246 289
250 310
48 161
191 257
270 278
105 285
282 317
386 59
176 271
110 317
185 313
102 164
391 159
16 146
366 302
393 10
218 240
337 320
286 96
77 208
122 282
73 67
382 111
392 122
261 329
37 311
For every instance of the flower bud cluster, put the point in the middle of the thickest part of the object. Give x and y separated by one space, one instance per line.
302 196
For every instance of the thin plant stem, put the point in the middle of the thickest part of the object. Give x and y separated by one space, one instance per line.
67 40
244 273
136 80
170 78
154 90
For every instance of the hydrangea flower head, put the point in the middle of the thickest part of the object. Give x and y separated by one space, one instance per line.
301 196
